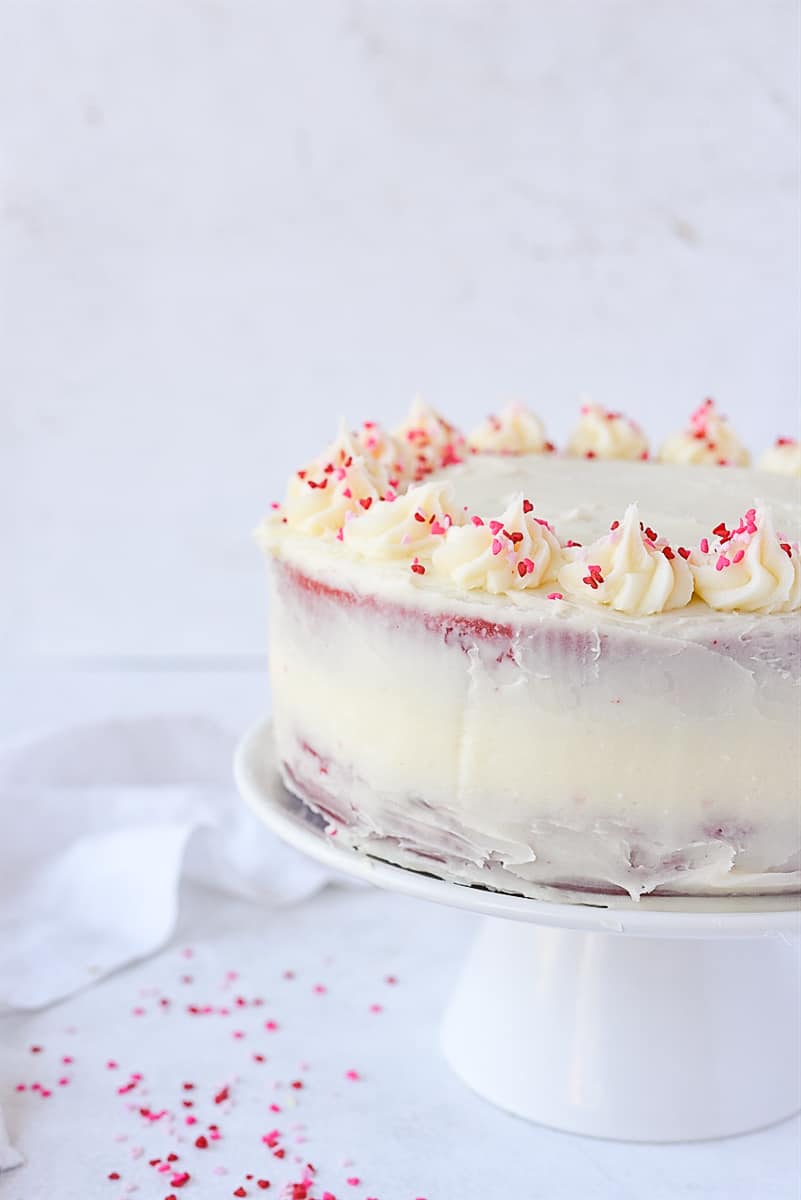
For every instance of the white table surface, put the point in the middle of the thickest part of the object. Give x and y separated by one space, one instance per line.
406 1128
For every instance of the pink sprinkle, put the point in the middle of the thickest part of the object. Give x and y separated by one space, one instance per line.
352 1075
496 526
376 1008
477 520
111 1065
704 545
319 989
353 1180
271 1026
722 562
555 596
496 546
739 556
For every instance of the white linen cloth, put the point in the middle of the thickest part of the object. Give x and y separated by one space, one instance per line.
99 824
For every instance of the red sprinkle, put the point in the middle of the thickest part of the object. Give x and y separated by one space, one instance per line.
528 506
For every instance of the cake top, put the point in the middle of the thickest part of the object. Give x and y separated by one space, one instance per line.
501 513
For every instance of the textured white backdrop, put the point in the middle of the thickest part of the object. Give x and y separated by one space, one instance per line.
222 224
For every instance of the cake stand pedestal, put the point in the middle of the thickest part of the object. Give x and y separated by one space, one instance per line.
670 1020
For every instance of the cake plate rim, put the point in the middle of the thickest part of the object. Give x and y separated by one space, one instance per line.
260 785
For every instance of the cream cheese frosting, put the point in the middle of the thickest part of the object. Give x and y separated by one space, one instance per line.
516 430
709 438
431 440
631 569
410 501
404 528
339 484
602 433
783 457
514 552
750 569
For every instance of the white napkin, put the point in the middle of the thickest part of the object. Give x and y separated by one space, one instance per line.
98 825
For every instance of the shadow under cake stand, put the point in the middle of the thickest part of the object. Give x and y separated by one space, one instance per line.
665 1020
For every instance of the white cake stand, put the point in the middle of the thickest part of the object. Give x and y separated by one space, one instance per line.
657 1022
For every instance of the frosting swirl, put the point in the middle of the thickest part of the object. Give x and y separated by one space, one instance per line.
783 457
339 484
750 569
410 526
514 553
630 570
709 438
429 439
392 453
604 434
516 430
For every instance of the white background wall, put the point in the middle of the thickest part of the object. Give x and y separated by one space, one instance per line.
223 223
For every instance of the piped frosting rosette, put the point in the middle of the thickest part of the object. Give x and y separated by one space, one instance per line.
709 438
409 527
429 439
602 433
749 568
631 570
339 484
515 430
513 553
783 457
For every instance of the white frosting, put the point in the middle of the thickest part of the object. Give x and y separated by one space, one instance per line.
754 570
604 434
407 528
431 441
339 484
516 430
580 500
393 453
506 555
709 438
629 572
783 457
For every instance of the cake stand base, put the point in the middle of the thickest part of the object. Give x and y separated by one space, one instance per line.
640 1039
668 1020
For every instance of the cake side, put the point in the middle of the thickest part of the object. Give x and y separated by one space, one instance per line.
547 752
